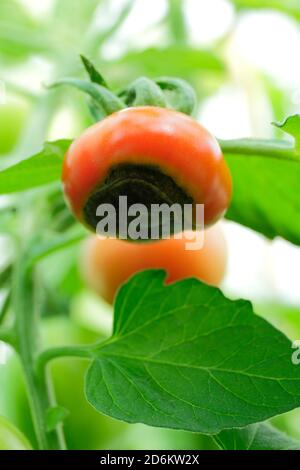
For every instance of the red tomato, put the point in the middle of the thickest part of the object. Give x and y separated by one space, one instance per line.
149 154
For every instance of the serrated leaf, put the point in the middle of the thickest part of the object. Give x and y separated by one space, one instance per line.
291 125
183 356
261 436
40 169
54 416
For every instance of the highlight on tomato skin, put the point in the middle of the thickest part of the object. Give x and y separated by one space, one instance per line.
107 263
151 155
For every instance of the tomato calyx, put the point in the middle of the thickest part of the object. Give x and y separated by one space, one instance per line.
165 92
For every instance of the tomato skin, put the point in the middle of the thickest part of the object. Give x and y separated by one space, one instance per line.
170 140
107 263
11 438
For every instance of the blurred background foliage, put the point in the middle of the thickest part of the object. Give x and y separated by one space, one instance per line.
241 57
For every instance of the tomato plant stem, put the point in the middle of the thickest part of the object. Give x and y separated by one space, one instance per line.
26 328
64 351
278 149
177 23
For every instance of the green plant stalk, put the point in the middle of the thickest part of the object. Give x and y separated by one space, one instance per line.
95 38
177 23
278 149
83 352
26 330
87 351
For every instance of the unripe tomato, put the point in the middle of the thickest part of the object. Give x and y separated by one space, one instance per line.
108 263
11 438
151 155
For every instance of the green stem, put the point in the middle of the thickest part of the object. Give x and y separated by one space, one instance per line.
97 37
64 351
26 345
278 149
177 23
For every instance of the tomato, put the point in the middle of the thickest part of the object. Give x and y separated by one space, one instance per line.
151 155
13 114
107 263
11 438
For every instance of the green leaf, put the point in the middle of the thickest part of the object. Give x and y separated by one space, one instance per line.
54 416
97 111
183 356
94 75
266 181
143 92
180 95
291 126
261 436
40 169
101 96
